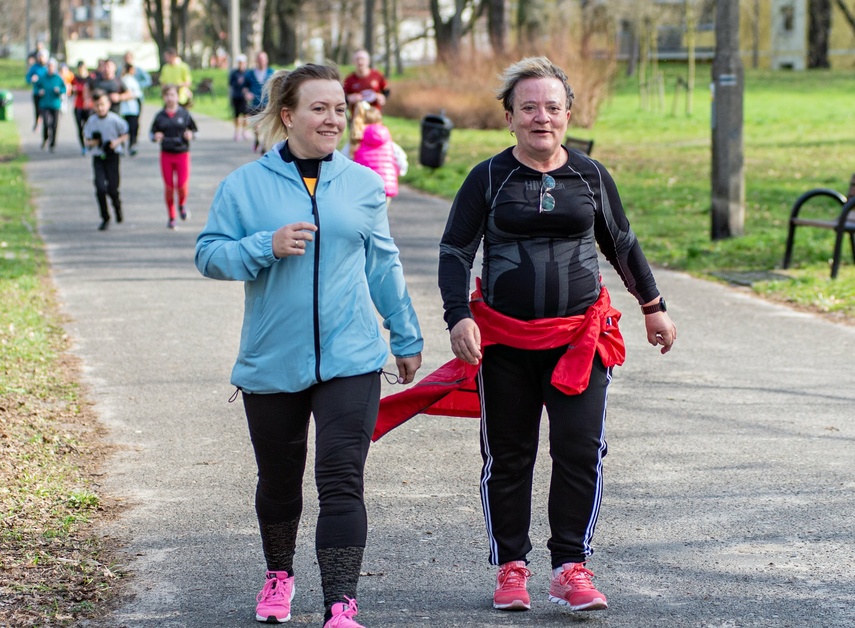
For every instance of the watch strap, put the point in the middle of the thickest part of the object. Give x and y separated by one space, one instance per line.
659 306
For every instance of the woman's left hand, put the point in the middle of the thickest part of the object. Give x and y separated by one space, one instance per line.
660 330
293 239
407 368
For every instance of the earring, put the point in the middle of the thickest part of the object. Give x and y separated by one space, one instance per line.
511 131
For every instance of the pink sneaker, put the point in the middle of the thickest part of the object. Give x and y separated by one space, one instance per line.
510 593
573 588
274 601
343 614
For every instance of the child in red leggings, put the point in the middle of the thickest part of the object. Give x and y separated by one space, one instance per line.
173 127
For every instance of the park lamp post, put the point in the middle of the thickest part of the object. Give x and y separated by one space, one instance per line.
728 178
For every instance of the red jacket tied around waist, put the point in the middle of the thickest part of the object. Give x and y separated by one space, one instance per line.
451 389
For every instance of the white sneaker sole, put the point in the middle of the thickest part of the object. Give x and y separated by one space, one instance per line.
598 604
516 605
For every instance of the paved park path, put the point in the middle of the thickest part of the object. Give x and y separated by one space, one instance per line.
730 480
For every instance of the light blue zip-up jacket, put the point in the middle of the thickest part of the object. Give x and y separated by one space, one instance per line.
309 318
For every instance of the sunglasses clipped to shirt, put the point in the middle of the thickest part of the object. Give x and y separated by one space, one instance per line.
547 201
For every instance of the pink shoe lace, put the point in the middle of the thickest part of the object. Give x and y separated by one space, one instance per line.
274 599
272 592
343 614
513 576
579 577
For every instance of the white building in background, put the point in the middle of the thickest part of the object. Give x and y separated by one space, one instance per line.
98 29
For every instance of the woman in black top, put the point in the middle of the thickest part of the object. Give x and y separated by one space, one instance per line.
541 211
174 127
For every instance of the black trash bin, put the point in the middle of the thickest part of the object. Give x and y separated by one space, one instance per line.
436 130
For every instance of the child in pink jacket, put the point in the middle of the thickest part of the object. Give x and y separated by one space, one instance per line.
376 150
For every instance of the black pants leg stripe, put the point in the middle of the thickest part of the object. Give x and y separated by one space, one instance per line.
598 498
485 479
515 385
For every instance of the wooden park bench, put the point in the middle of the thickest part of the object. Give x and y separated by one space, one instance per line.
844 222
586 146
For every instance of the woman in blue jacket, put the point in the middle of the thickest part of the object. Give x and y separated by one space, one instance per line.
306 229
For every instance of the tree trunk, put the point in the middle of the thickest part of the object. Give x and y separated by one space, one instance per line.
755 35
156 24
396 40
279 39
819 28
387 39
448 33
368 33
634 44
847 14
691 27
530 24
257 10
343 33
56 46
174 21
496 25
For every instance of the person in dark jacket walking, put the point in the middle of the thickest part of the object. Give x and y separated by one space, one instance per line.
173 127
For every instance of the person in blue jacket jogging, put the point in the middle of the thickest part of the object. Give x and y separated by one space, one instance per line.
35 72
50 88
306 229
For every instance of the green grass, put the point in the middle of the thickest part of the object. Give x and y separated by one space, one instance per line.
13 74
50 563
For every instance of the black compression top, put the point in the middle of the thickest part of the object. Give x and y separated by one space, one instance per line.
538 264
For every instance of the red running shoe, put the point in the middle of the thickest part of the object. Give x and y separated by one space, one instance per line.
510 593
573 588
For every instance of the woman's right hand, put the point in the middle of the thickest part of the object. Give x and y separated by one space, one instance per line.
293 239
466 341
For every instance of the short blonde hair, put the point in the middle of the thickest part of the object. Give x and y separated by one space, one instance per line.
530 67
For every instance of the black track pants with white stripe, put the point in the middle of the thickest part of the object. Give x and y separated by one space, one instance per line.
515 385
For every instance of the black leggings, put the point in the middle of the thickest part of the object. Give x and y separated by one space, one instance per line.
50 121
133 129
345 411
106 169
515 385
81 116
